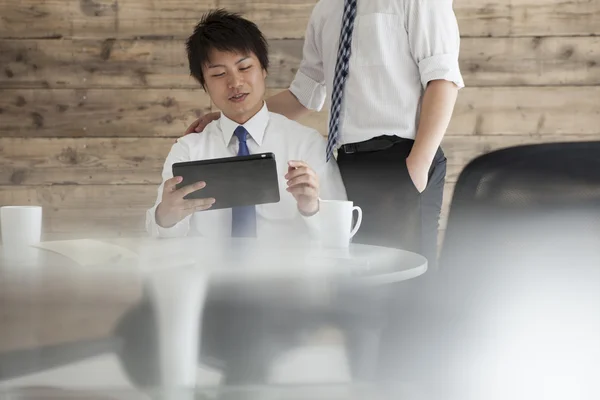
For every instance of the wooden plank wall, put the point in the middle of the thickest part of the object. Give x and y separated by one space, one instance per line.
93 93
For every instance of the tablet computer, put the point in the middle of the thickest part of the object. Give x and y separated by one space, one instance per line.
232 181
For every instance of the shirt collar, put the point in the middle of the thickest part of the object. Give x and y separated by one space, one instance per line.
256 126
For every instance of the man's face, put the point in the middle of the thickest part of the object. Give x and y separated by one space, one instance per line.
235 83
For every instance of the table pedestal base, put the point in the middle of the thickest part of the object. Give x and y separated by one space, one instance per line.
178 296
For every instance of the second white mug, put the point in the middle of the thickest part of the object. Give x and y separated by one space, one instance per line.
336 222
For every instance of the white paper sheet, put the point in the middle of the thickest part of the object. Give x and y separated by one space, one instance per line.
88 252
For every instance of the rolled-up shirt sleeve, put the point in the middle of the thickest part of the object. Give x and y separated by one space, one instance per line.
309 83
179 152
434 40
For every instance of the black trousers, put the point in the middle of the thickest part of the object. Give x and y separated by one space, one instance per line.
395 214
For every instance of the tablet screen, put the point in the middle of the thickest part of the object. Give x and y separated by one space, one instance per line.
232 181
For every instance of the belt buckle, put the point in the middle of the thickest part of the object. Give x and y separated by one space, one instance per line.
349 148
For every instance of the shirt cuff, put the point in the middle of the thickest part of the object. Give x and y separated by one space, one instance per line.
310 93
178 230
442 66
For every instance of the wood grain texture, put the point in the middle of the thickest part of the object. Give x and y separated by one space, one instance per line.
134 18
533 61
527 17
277 18
90 63
38 161
130 161
98 112
110 63
100 18
90 210
566 110
527 111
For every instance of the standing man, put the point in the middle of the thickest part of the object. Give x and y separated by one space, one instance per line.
390 71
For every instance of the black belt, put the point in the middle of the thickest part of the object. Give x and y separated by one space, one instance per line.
375 144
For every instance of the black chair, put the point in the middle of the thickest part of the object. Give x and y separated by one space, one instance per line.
514 311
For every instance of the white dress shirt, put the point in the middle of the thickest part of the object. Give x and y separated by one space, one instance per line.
268 132
398 46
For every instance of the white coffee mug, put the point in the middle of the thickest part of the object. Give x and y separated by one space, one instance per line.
336 222
21 225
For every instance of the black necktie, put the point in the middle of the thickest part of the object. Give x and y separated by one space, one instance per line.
341 73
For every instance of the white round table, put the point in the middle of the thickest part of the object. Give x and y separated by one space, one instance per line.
177 273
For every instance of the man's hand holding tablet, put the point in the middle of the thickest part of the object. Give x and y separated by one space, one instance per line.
234 182
173 207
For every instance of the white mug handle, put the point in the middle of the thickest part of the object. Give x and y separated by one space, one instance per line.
358 221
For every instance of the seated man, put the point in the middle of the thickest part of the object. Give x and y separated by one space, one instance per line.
228 56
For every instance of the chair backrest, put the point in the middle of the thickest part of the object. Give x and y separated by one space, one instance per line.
530 176
518 199
526 216
516 302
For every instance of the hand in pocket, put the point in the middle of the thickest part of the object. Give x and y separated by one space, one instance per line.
418 172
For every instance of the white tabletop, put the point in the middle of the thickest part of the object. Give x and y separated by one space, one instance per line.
238 262
178 273
216 255
261 258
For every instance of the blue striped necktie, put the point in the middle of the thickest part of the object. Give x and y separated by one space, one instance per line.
341 73
243 221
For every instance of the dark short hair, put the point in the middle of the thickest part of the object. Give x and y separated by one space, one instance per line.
224 31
